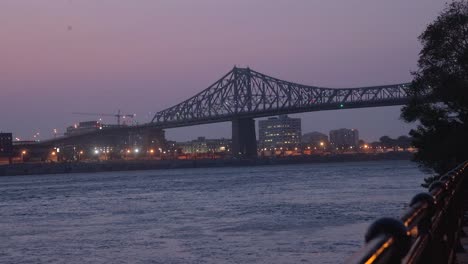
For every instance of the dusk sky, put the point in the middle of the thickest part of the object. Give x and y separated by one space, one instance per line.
63 56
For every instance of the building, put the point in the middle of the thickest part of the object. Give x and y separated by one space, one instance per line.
343 138
282 131
203 145
83 127
6 144
315 139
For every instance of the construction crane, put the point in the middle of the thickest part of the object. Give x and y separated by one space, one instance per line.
118 115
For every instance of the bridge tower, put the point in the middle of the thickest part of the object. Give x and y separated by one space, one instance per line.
244 140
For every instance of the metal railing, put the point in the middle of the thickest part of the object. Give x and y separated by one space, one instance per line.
427 232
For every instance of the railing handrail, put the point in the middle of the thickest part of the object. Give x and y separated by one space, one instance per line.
427 232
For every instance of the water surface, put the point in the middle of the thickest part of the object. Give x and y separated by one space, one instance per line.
315 213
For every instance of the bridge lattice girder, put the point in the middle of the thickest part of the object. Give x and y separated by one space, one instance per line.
244 93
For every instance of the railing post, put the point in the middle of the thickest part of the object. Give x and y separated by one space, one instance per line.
397 231
429 231
422 229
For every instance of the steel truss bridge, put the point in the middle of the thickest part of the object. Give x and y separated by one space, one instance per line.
244 94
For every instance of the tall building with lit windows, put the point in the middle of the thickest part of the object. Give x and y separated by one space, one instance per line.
281 131
6 144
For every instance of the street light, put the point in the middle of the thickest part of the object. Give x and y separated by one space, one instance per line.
322 144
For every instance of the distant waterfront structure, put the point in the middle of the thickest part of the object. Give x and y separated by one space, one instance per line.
277 132
314 138
119 144
204 145
87 126
344 137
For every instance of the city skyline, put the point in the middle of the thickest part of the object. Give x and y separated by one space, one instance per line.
61 57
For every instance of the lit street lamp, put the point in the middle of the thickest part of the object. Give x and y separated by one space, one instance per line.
322 144
22 155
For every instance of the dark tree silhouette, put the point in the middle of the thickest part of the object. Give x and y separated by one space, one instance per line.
440 91
401 142
387 141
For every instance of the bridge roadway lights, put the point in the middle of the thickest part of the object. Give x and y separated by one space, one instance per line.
244 141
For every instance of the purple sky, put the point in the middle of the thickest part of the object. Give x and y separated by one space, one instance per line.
64 56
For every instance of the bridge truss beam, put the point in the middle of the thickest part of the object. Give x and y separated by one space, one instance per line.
245 93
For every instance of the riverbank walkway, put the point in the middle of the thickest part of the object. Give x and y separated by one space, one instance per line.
462 257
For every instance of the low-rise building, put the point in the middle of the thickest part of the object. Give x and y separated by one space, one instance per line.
315 139
203 145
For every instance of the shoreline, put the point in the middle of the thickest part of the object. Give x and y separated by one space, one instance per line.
133 165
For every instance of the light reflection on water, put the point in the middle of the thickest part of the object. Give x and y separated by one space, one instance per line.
315 213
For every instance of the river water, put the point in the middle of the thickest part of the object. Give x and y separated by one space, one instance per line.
314 213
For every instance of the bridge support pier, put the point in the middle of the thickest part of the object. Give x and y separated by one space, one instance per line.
244 140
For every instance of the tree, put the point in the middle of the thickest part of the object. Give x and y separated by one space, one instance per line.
439 91
403 142
387 141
